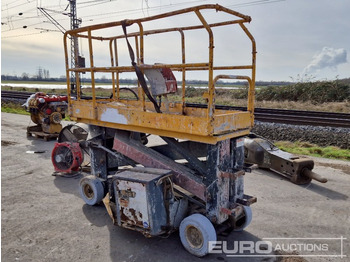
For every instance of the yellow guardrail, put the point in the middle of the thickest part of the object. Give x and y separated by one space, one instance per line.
96 33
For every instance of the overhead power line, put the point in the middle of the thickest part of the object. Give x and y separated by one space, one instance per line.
12 20
13 36
25 3
52 20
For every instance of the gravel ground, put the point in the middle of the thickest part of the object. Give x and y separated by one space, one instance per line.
43 217
323 136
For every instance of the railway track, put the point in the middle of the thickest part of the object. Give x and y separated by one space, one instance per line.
293 117
15 94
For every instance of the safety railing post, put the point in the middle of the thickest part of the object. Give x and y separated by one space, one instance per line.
183 52
211 88
92 74
141 61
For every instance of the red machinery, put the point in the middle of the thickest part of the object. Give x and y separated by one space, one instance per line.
47 112
67 157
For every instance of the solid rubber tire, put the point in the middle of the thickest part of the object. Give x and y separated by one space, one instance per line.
204 226
248 218
97 187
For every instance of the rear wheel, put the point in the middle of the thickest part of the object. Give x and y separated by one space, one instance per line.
241 223
91 190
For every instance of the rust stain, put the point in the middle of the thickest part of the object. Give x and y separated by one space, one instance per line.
124 202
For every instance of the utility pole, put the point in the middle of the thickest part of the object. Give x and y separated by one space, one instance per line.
74 24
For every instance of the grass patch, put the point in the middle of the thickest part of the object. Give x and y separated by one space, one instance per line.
13 108
16 108
305 148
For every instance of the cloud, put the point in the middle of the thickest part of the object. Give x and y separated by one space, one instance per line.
328 57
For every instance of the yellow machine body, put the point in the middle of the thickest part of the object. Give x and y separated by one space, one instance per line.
207 124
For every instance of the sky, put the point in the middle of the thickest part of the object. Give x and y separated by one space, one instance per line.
296 40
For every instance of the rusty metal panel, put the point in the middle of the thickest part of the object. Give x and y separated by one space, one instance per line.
225 178
98 162
237 156
218 191
140 201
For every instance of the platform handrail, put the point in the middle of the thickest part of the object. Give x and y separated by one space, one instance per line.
251 91
115 69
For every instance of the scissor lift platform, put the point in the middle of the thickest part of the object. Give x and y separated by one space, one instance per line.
203 154
192 125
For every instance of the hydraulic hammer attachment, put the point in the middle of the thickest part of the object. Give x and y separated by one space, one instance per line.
266 155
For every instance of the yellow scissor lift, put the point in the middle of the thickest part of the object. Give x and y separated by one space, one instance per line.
212 188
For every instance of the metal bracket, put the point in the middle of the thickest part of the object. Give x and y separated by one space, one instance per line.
247 200
232 175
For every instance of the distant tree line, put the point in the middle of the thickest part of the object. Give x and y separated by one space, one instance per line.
44 75
26 77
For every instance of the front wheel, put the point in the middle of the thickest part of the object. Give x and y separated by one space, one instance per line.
195 233
91 190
